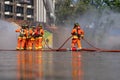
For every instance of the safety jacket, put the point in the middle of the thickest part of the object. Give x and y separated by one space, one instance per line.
39 33
31 34
77 32
22 32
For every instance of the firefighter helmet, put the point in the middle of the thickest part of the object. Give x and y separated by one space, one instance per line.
23 26
76 24
32 27
40 26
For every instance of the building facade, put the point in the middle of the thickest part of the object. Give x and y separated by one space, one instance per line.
35 10
17 10
45 11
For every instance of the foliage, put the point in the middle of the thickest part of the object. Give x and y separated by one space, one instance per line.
113 4
69 9
63 10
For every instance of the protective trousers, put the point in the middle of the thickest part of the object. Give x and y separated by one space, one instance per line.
76 41
21 43
38 43
31 43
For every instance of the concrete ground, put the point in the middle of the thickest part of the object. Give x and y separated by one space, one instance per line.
38 65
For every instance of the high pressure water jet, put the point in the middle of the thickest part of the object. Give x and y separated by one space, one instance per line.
8 37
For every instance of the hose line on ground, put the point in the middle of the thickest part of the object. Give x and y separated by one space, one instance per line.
59 47
47 44
67 41
64 43
90 44
96 49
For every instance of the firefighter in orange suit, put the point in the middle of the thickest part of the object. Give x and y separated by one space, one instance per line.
31 38
77 34
21 38
27 36
39 32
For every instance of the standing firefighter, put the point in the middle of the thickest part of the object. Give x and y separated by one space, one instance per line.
77 34
39 32
21 38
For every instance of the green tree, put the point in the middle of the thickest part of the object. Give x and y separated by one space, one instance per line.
69 9
63 10
113 4
66 9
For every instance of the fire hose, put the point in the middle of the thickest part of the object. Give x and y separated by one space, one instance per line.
95 48
98 49
90 44
47 44
64 43
59 47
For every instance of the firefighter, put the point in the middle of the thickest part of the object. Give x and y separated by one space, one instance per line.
39 32
21 38
27 36
31 38
77 34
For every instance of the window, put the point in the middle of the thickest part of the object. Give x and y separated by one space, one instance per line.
24 1
0 6
9 0
30 12
30 19
20 10
32 2
8 16
19 18
9 8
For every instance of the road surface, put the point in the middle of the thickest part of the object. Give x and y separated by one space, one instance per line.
44 65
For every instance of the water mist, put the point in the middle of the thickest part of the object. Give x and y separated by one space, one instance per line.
101 29
8 36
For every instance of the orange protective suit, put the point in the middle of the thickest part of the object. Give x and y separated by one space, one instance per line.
21 38
31 39
77 34
27 39
39 32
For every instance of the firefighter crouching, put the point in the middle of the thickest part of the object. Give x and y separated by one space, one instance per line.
31 38
27 39
39 32
21 38
77 34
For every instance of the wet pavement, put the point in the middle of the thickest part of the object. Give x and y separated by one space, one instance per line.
38 65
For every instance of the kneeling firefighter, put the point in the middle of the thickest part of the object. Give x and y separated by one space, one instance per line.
31 38
77 34
21 38
39 32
